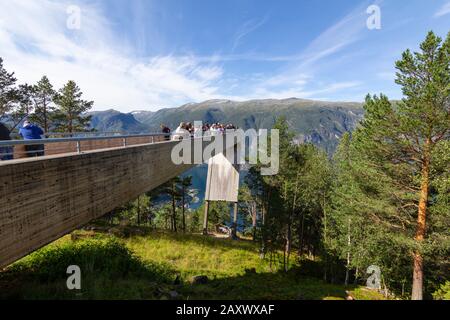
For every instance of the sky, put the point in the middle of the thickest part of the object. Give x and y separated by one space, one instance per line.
147 54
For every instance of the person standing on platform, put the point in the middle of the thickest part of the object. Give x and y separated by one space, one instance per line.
30 131
167 131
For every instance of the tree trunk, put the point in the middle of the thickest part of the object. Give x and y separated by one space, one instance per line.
263 229
308 240
174 213
166 220
289 231
347 271
205 218
253 206
417 286
355 281
234 227
70 127
45 116
266 208
182 210
288 246
301 235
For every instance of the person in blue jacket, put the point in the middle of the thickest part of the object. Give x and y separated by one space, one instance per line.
30 131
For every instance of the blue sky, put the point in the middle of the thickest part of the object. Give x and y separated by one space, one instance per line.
145 54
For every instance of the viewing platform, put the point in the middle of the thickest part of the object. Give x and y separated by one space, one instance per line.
77 180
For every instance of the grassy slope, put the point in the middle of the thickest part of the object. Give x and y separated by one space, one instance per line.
145 266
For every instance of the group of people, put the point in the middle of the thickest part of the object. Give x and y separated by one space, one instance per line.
28 131
187 130
219 127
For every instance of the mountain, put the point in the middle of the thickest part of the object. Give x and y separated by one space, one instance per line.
115 121
318 122
143 115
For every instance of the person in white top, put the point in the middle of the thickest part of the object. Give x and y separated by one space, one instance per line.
181 132
215 130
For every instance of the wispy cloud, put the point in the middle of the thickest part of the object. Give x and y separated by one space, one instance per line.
35 41
299 74
248 27
444 10
116 73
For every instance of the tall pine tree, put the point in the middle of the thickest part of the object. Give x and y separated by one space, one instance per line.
43 95
8 92
70 116
396 143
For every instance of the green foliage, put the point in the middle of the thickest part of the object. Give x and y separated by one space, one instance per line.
292 203
143 267
44 110
71 109
7 90
154 209
382 169
443 293
219 214
162 216
99 256
109 270
36 102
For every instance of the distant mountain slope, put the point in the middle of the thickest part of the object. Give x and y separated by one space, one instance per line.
143 115
112 120
319 122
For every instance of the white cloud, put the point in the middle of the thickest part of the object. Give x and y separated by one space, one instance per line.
298 79
444 10
34 41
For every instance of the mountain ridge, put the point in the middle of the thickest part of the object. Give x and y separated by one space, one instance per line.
319 122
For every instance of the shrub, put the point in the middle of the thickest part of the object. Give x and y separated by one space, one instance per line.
443 293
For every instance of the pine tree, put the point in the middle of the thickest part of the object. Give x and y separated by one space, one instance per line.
425 78
185 184
395 146
70 115
43 95
8 92
23 105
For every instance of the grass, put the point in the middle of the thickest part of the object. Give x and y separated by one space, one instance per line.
145 266
194 255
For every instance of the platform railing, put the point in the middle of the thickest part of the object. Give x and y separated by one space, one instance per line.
50 146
